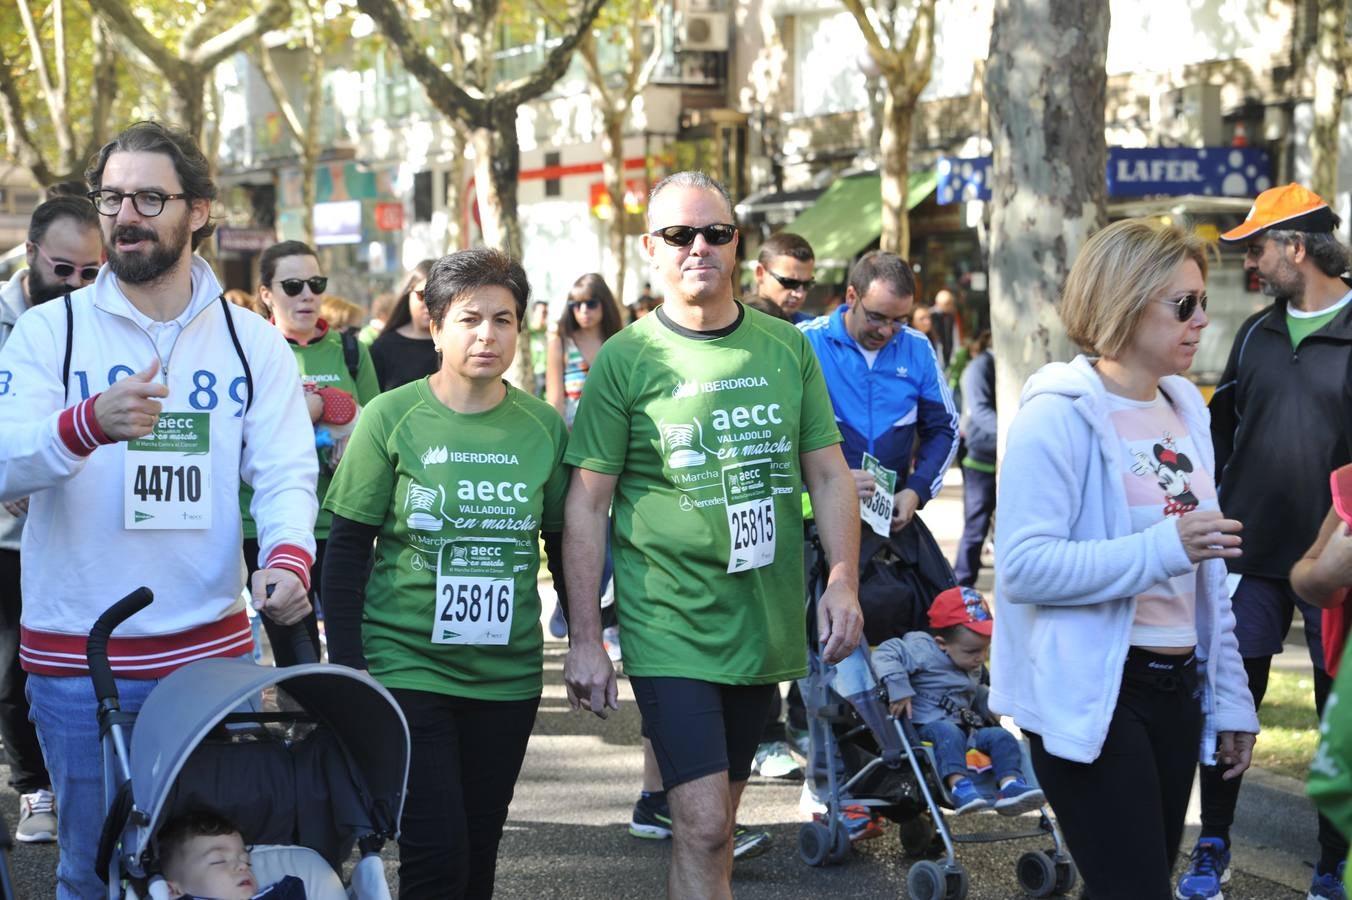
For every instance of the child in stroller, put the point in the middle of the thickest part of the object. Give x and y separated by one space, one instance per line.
934 679
203 857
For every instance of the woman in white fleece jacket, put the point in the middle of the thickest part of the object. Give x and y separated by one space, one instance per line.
1114 645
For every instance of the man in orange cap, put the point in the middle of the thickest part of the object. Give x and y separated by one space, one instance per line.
1281 420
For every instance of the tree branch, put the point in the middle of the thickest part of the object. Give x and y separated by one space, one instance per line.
448 97
881 55
531 86
105 87
216 50
20 141
121 19
278 90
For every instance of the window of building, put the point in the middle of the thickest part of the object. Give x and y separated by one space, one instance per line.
553 186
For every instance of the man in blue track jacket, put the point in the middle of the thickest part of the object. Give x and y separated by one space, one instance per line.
886 384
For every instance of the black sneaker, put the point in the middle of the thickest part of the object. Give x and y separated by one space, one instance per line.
748 842
652 817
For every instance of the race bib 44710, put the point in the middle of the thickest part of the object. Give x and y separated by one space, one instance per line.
167 475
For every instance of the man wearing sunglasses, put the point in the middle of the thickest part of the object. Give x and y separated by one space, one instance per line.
129 416
1281 421
703 421
783 273
64 252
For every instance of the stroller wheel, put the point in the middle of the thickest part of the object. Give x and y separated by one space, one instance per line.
919 836
814 843
1036 871
840 845
1065 877
956 877
925 881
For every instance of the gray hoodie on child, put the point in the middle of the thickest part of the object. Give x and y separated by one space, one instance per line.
915 666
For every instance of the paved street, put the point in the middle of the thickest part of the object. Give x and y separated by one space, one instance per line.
566 837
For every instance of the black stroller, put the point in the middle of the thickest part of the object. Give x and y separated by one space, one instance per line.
329 777
885 765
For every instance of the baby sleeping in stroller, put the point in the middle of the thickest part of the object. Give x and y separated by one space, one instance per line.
934 679
203 857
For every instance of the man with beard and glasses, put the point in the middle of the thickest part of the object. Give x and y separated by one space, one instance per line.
1281 420
64 253
130 416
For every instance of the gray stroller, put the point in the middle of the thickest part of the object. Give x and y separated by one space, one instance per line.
330 776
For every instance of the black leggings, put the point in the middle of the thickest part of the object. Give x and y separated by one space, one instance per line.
466 757
1122 815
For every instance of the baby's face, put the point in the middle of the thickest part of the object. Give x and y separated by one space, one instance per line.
216 866
967 649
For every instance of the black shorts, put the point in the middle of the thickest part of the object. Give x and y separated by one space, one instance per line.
698 728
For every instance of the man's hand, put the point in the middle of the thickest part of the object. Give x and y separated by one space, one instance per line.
1234 749
839 622
864 483
899 708
128 409
904 505
589 676
17 508
288 603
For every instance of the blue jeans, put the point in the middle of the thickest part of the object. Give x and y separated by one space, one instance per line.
65 713
951 743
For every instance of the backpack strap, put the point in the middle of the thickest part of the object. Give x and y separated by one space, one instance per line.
239 349
351 353
70 346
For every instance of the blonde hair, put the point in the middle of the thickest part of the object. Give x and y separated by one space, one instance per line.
1118 271
242 299
341 314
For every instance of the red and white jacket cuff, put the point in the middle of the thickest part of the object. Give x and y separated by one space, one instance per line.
80 430
293 559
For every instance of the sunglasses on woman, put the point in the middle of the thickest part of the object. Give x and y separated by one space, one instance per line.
684 235
293 286
588 304
1186 305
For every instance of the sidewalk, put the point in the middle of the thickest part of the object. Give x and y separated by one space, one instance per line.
1274 831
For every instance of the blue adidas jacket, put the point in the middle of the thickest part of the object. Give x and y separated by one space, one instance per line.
880 410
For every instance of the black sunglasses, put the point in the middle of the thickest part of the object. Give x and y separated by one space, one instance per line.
589 303
293 286
684 235
793 284
1185 306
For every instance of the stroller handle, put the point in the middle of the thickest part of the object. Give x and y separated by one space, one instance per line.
97 649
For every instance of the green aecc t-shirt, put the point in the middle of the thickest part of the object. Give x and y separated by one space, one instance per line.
705 437
451 605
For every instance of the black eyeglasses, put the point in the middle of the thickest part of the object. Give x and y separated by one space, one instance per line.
293 286
589 303
684 235
1186 305
878 320
793 284
65 269
148 203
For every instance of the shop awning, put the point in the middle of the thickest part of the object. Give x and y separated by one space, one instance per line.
849 215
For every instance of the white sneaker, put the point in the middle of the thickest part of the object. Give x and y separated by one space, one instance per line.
808 804
37 818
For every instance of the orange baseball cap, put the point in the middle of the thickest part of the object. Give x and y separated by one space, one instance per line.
1290 208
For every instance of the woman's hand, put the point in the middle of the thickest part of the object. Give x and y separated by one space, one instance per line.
1235 750
1206 534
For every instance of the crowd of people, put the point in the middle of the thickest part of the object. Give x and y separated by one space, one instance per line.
382 486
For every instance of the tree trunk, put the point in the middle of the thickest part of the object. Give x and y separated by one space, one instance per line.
1329 62
187 105
456 238
1047 87
895 150
612 171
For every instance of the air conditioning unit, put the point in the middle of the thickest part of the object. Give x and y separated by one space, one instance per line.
702 31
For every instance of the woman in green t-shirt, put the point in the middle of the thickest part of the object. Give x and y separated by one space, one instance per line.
338 378
453 478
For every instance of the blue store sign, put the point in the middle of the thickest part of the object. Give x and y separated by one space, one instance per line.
1138 172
